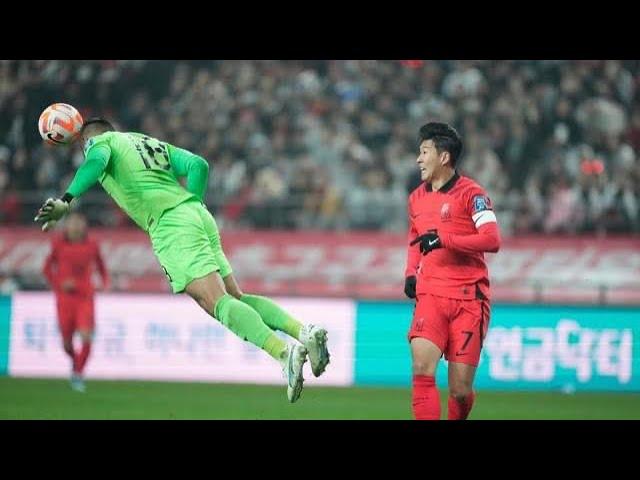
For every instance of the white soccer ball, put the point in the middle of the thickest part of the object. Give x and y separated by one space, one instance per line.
59 124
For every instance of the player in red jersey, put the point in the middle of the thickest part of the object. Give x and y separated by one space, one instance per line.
68 268
451 225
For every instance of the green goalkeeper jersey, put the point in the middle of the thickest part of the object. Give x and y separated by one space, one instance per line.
141 174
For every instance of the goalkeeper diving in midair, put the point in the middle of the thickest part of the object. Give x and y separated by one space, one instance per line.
141 174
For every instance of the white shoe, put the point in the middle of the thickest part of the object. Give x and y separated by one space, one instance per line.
292 370
77 383
315 339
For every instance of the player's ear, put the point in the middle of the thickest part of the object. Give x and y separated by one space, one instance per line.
445 158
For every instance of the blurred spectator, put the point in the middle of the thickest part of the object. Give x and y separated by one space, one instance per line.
563 209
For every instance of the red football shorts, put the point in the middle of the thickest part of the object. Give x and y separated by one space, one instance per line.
456 327
74 313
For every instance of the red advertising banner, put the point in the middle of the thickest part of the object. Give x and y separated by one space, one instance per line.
362 264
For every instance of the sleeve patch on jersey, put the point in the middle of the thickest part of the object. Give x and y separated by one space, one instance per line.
481 203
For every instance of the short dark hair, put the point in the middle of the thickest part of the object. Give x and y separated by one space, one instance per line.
444 137
99 122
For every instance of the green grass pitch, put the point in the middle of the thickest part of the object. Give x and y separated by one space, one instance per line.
53 399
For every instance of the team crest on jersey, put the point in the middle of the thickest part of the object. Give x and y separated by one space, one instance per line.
481 203
445 212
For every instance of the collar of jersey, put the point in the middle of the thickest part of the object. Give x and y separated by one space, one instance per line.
447 186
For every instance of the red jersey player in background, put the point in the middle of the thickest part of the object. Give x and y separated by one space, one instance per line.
69 268
451 225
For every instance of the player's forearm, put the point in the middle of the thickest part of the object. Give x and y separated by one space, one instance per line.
413 260
413 253
486 240
90 171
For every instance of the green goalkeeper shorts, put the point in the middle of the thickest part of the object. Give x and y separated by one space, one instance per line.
187 243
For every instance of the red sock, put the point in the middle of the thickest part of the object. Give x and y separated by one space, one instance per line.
460 410
83 356
426 400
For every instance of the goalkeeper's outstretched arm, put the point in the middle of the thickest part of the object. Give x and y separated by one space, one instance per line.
87 175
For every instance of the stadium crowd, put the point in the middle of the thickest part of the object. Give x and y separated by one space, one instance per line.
332 144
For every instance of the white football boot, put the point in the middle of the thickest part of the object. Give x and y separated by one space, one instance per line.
314 338
292 370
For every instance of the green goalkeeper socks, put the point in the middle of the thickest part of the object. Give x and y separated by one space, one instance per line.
274 316
253 317
246 323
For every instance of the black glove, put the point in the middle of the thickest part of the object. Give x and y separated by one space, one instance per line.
428 241
410 286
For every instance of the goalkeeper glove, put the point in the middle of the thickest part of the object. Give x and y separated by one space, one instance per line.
410 286
51 211
428 241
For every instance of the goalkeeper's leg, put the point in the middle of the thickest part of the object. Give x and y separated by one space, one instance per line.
187 243
241 319
244 321
272 315
313 337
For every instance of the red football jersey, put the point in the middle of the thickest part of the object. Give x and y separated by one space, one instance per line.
74 261
462 215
